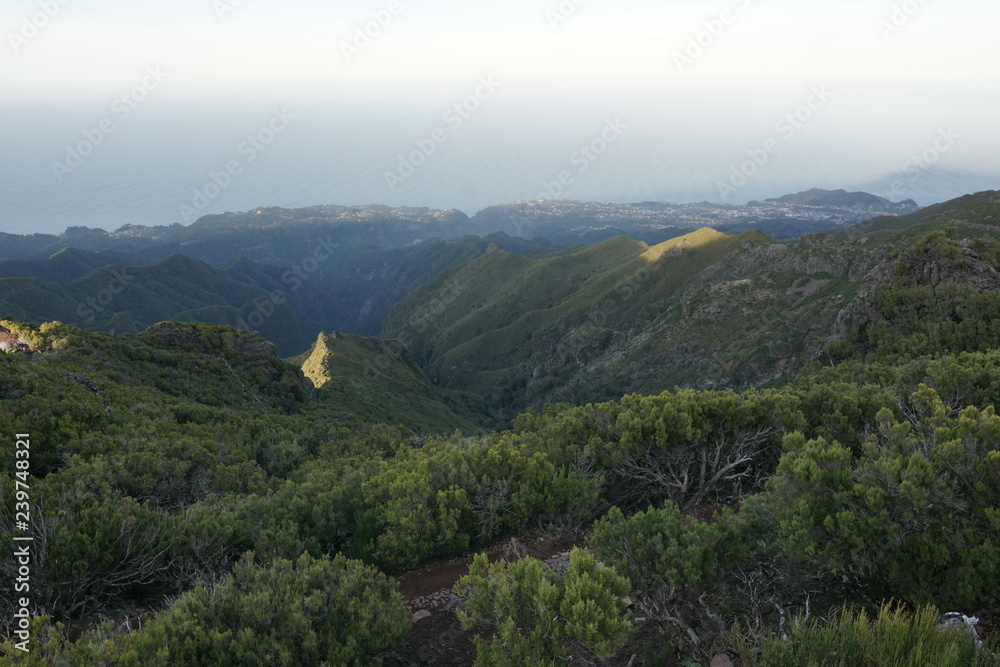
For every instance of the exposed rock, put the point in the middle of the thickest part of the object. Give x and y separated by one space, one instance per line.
861 310
457 603
11 343
722 661
421 615
85 381
958 622
972 269
930 268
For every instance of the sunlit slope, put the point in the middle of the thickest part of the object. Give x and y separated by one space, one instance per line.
495 290
705 309
376 381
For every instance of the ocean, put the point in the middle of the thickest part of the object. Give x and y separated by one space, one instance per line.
98 163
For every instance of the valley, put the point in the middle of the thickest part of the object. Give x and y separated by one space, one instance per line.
295 431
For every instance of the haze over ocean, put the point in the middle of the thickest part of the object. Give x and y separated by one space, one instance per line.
719 102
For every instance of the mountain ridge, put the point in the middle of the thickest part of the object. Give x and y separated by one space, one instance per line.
215 238
680 318
188 477
865 200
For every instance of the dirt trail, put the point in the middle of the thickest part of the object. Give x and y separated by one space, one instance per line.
430 587
437 637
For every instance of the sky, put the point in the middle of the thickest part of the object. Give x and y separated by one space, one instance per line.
466 104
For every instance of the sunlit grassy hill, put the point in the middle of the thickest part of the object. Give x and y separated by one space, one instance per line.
705 309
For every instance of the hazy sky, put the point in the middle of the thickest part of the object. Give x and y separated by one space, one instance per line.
836 94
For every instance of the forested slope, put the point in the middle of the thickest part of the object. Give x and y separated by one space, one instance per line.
704 310
189 479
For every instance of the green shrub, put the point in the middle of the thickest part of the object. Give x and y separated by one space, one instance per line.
310 612
302 613
674 562
91 546
915 516
539 616
661 547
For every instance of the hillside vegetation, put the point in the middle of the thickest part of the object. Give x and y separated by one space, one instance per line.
274 235
336 268
329 287
196 500
930 217
121 299
703 310
376 381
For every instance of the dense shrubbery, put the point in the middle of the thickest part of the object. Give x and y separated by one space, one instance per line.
336 612
437 499
300 613
539 617
915 515
943 296
158 463
674 562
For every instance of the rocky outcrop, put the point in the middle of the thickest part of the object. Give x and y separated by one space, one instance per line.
934 263
11 343
957 622
248 359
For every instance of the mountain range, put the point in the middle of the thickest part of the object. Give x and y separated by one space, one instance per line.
733 426
506 322
705 310
332 268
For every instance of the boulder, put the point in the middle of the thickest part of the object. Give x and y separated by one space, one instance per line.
722 661
958 622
